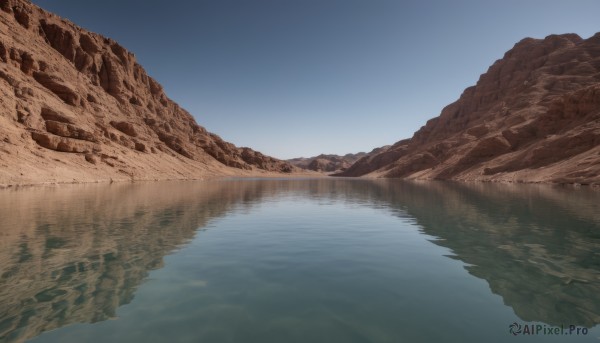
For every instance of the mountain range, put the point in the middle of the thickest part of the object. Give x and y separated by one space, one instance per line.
330 162
78 107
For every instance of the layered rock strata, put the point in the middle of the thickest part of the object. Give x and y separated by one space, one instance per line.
534 116
78 106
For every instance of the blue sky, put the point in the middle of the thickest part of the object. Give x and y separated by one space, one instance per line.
295 78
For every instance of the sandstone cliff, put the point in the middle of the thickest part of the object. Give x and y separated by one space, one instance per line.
76 106
534 116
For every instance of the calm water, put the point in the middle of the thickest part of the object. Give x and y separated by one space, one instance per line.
327 260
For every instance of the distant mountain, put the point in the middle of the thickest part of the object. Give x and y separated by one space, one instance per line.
76 106
534 116
331 163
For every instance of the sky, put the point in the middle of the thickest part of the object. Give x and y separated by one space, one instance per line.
297 78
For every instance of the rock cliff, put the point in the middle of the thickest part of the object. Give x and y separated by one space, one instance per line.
77 106
534 116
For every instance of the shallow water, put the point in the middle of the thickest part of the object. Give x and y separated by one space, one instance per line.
327 260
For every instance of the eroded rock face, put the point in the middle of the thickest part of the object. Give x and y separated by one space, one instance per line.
61 144
63 88
125 127
65 91
534 116
69 131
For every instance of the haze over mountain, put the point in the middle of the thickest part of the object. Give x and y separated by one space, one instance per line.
327 162
331 162
534 116
76 106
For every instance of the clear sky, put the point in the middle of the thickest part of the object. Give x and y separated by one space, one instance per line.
295 78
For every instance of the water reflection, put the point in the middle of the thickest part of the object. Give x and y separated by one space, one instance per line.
75 254
537 246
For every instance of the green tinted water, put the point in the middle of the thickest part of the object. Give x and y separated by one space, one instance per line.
328 260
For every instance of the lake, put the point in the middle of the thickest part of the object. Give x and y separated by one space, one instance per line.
300 260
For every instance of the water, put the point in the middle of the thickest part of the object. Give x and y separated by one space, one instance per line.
327 260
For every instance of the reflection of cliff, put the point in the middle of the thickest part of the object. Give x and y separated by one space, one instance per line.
537 247
76 254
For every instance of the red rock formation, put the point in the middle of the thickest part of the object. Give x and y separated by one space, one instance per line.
69 90
534 116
